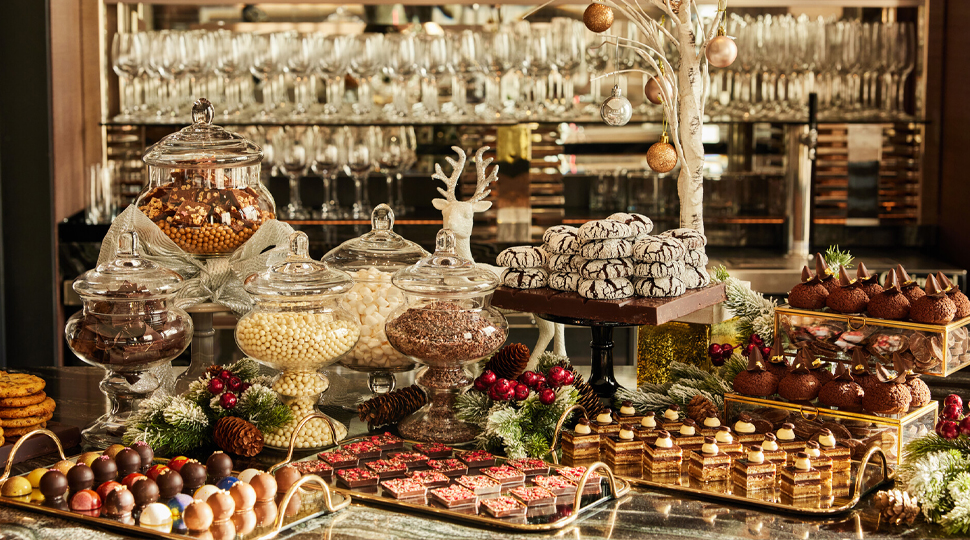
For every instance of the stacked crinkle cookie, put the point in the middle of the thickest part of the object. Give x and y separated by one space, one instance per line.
609 259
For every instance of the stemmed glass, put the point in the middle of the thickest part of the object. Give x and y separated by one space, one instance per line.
904 61
332 63
299 57
596 61
434 59
569 50
498 59
402 64
327 162
196 55
163 58
540 65
293 158
266 64
227 56
363 146
392 158
467 46
410 155
127 54
365 61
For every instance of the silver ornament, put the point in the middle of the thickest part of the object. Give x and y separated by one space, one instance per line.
616 110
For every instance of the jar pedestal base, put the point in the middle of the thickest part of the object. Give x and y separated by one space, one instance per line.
438 421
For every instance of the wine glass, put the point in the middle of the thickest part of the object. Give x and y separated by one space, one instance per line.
392 158
299 57
401 65
410 155
292 156
904 62
569 50
498 59
363 147
332 63
467 47
365 61
126 61
327 161
265 63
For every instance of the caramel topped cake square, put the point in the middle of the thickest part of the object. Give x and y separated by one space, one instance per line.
709 464
628 415
773 452
787 440
689 437
624 447
841 456
605 425
663 456
582 442
745 431
754 471
726 442
710 425
647 428
671 420
801 480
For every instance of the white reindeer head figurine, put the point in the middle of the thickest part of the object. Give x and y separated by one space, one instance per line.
456 214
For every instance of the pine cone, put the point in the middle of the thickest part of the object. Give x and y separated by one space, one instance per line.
588 398
392 407
897 506
238 436
509 362
699 408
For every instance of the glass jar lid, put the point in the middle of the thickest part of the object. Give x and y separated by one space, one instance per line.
298 277
380 248
128 275
203 145
444 273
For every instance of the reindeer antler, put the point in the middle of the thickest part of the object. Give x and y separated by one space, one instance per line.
450 181
481 165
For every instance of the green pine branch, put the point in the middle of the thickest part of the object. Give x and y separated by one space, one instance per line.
918 448
836 258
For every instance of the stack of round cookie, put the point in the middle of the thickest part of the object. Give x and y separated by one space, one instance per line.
659 266
526 267
562 244
695 274
641 224
605 265
24 406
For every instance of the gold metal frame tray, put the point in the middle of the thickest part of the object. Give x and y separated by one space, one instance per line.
864 477
566 510
316 496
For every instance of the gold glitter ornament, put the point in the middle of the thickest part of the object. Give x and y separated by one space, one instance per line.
658 346
598 17
662 156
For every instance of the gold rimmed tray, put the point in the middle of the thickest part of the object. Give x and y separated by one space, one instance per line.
316 496
566 510
865 475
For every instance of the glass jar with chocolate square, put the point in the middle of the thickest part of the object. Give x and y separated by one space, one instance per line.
203 187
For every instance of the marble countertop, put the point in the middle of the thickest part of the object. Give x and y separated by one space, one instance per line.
640 514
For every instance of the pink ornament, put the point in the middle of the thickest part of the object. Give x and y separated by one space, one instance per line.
653 92
722 51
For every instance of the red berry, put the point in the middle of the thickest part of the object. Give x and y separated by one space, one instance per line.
521 391
952 412
756 339
225 374
245 386
547 396
568 378
714 350
949 429
495 393
216 386
489 377
727 349
228 400
965 426
503 385
480 385
234 384
748 348
718 361
540 381
766 351
555 373
953 399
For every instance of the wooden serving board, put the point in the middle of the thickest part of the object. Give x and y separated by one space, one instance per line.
70 437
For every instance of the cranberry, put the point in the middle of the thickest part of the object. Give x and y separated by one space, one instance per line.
489 377
727 349
521 391
528 378
568 378
965 426
949 429
225 374
495 393
245 386
216 386
952 412
234 384
748 348
540 381
480 385
555 372
756 339
547 396
714 350
766 351
503 385
718 361
953 399
228 400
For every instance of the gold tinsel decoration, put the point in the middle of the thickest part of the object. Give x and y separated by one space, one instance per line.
699 408
897 506
509 362
392 407
598 17
238 436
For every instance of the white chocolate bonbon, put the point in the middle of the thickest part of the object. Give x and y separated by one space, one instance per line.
294 340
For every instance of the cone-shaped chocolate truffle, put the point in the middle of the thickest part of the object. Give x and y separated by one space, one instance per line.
959 299
918 389
891 303
842 391
777 362
867 282
799 384
820 370
809 294
825 274
860 369
756 380
908 285
890 396
935 307
848 298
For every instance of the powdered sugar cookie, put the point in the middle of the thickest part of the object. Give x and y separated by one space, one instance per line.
564 281
658 249
659 287
691 238
522 257
562 242
659 269
606 268
604 229
525 278
605 289
641 224
561 262
696 277
616 248
558 229
696 257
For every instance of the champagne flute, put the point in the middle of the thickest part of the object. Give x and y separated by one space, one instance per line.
327 161
332 63
127 55
362 149
293 159
366 60
392 158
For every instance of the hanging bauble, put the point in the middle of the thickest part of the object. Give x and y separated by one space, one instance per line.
722 51
616 110
662 156
653 92
598 17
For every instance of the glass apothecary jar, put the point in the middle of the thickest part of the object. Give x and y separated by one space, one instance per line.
446 322
129 324
372 259
298 327
203 187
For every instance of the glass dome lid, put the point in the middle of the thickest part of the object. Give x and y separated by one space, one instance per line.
203 145
298 277
444 273
381 248
128 275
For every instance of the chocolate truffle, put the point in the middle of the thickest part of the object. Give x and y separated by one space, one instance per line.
53 484
63 465
778 363
860 369
842 391
799 384
128 461
809 294
820 370
118 503
825 274
867 282
959 299
145 452
130 480
890 396
197 516
935 307
145 491
15 486
112 450
755 380
107 487
155 470
222 505
243 495
104 469
193 476
264 484
84 500
918 389
88 458
848 298
911 289
80 477
169 484
219 466
891 303
286 476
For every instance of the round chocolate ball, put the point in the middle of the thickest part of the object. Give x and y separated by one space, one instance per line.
244 496
219 466
204 492
286 476
118 503
197 516
106 488
130 479
85 500
223 530
113 450
145 491
245 522
155 515
105 469
16 486
265 487
193 476
53 484
226 482
266 512
63 465
145 452
169 484
128 461
222 505
80 477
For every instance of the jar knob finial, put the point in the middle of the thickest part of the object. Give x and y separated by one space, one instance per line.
382 218
202 112
444 242
299 245
128 244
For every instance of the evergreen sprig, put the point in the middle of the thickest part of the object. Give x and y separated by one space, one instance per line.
918 448
687 381
261 406
836 258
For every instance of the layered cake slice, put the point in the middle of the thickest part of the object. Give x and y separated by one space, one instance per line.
454 495
627 415
504 507
710 425
841 456
820 462
727 444
663 456
745 431
773 452
605 425
709 464
787 439
505 475
648 428
688 437
580 444
754 472
624 448
429 479
480 484
671 420
533 495
433 450
800 480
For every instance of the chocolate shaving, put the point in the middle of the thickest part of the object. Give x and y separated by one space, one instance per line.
945 282
860 361
806 274
862 273
902 275
883 375
844 279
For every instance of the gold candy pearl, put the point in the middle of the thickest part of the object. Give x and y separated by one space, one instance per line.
662 156
598 17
